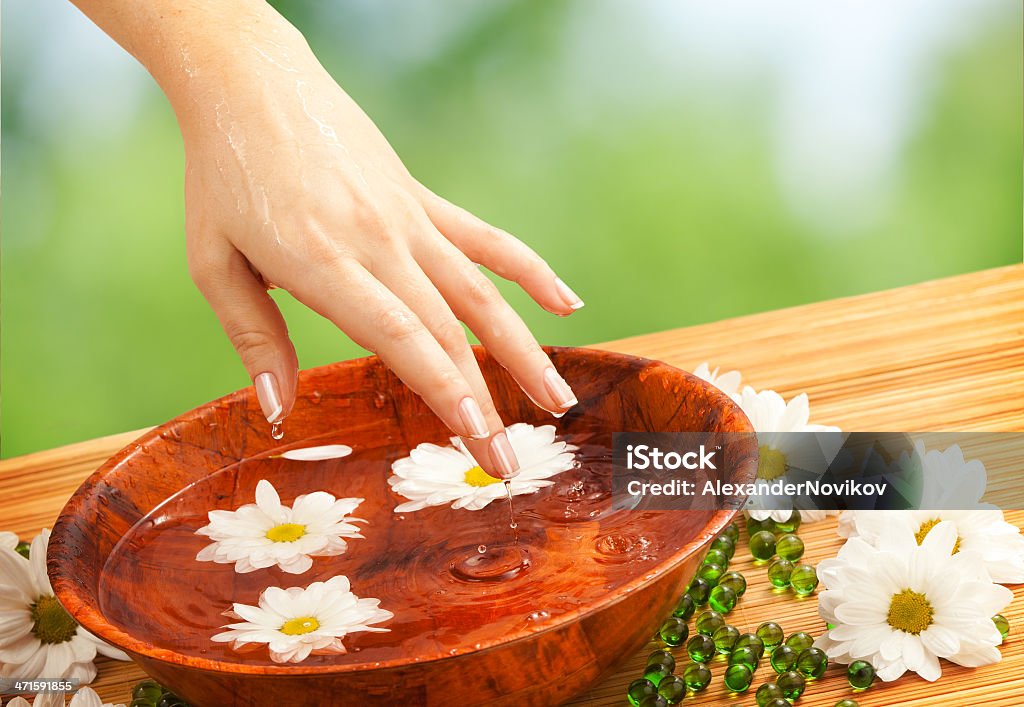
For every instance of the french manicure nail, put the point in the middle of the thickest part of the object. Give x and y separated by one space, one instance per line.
558 389
502 456
571 299
473 418
269 396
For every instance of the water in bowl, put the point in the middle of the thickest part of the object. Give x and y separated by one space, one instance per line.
455 579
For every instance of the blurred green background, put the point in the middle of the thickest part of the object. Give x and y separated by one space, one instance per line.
676 163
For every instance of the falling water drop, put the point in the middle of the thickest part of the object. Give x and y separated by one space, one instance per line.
277 430
481 549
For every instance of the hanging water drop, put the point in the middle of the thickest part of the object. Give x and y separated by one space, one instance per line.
277 430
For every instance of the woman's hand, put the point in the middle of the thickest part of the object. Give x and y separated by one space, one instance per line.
289 183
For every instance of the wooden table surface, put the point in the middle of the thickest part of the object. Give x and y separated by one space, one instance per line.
942 355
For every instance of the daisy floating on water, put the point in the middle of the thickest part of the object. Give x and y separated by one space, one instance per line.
434 476
728 383
86 697
296 622
268 533
38 638
782 452
903 606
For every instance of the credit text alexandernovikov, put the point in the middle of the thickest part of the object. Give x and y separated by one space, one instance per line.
717 487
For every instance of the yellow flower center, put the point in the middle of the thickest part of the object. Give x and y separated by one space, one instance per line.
50 622
771 464
480 478
926 528
299 626
910 612
286 532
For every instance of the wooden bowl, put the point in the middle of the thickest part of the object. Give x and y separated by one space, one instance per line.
494 645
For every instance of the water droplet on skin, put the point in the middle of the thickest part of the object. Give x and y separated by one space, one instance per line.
277 430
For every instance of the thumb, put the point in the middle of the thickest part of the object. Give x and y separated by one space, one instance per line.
255 327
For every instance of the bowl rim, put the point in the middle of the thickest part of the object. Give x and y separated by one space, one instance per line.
89 617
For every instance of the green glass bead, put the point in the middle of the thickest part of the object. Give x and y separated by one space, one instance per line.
699 590
745 655
800 641
767 693
779 572
674 631
701 648
725 545
751 640
756 526
662 657
710 574
685 608
762 545
149 690
639 689
734 581
672 689
812 663
804 579
731 531
171 700
697 677
653 701
738 677
22 548
790 547
792 683
783 659
722 599
1001 623
725 638
860 674
141 702
770 634
847 703
716 557
789 525
780 702
656 673
708 622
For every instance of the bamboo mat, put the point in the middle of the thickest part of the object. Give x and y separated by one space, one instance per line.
942 355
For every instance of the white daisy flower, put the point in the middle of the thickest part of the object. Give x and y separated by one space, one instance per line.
434 476
999 544
902 607
728 383
38 638
85 697
949 481
268 533
8 540
296 622
774 420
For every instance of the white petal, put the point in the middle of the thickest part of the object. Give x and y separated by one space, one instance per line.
326 451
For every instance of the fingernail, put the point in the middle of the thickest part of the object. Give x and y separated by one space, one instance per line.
558 389
572 300
473 418
502 456
269 396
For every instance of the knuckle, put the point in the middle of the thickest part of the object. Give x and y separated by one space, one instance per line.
396 324
451 336
250 343
480 291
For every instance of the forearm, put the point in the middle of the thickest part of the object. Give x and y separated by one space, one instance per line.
200 50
